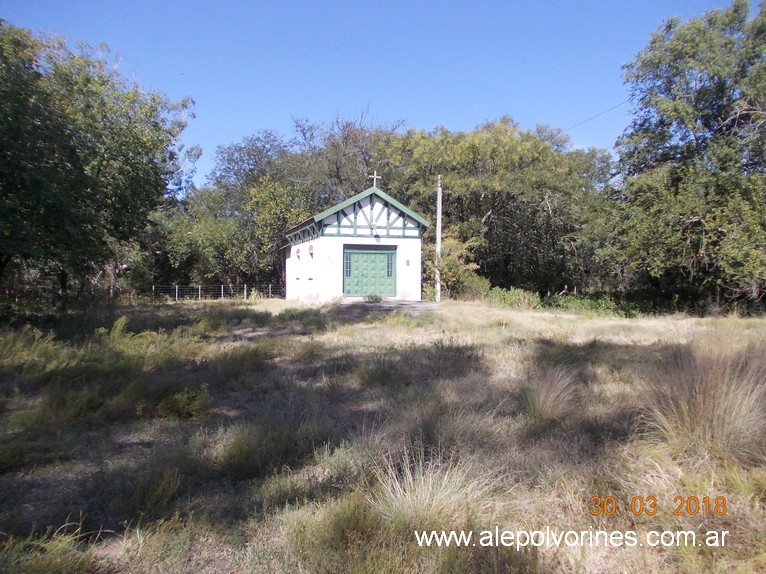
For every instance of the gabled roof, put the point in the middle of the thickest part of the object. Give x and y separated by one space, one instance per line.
359 196
370 191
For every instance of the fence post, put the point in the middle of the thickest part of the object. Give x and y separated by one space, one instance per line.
221 291
152 293
199 292
176 293
269 290
245 291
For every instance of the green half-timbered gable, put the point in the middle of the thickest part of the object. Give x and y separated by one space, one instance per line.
372 213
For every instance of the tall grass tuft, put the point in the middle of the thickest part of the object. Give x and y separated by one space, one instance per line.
60 553
551 395
710 402
336 536
156 491
186 404
416 491
249 450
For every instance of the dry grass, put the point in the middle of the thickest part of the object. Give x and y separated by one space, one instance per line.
256 438
709 402
551 395
421 491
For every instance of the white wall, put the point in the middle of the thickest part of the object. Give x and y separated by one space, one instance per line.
319 278
303 273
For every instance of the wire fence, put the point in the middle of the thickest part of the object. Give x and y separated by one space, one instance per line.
203 292
39 296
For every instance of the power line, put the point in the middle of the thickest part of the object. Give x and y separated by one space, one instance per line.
597 115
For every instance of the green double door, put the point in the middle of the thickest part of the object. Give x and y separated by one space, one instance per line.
368 272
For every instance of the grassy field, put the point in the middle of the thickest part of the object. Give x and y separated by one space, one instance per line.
267 438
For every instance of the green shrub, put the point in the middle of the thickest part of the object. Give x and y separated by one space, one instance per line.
15 454
28 349
463 283
599 305
512 298
118 334
205 325
471 286
337 536
242 361
313 319
130 402
64 403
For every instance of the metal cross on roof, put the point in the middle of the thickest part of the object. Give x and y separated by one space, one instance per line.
375 177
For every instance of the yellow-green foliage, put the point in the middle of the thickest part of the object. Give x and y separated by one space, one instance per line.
336 536
512 298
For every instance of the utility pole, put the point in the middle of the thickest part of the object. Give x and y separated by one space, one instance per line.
438 275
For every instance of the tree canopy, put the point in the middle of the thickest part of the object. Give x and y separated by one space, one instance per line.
695 212
85 155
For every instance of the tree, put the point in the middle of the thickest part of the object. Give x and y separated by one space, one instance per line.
211 243
240 166
693 157
40 173
86 155
276 207
514 196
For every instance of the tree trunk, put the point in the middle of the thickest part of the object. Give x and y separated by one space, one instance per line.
4 261
63 288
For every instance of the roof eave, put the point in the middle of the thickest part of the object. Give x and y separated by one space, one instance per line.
296 227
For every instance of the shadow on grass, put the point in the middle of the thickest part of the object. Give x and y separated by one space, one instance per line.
212 430
615 357
78 323
599 362
107 451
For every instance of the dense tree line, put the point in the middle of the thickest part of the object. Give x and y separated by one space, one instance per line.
85 157
679 217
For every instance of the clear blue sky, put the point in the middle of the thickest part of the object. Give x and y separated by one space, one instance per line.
256 65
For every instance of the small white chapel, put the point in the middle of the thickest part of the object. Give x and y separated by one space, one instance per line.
368 245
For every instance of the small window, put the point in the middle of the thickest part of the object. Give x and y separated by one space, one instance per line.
347 264
390 265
